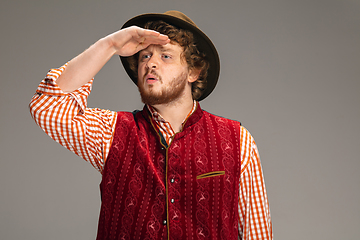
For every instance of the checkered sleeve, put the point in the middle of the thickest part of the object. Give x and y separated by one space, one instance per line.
254 212
66 119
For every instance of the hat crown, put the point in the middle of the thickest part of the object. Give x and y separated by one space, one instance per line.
180 15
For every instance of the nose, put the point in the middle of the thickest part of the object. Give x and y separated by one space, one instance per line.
152 63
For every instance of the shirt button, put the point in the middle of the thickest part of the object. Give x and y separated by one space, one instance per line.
164 222
172 200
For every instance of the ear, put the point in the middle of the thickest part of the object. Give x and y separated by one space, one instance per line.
193 75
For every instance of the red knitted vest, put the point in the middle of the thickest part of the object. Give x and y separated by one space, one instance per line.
188 190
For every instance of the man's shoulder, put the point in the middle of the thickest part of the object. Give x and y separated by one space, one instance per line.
135 113
135 117
246 135
221 118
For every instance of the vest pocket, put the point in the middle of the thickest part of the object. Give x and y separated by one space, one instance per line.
210 174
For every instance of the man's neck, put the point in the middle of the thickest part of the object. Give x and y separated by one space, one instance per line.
175 113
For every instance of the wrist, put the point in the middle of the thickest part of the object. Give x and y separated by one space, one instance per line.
107 45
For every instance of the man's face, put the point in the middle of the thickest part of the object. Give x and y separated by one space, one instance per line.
163 76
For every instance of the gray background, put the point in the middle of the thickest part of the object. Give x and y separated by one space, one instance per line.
290 73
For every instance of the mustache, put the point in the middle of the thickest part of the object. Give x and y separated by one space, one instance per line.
153 72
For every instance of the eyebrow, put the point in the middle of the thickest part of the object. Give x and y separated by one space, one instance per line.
164 49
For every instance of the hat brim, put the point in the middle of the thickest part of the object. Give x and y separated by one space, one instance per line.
202 42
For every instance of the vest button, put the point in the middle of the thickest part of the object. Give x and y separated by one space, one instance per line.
172 180
164 222
172 200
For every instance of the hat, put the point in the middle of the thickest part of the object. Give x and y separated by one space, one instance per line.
203 43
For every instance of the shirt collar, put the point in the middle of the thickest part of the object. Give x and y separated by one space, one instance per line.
163 126
158 118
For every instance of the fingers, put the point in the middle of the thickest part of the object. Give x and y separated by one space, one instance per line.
148 37
129 41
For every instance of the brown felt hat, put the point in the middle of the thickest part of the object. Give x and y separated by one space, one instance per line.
203 43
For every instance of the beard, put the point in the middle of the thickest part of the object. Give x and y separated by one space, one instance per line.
167 94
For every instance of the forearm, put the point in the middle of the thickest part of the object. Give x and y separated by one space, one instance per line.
125 42
85 66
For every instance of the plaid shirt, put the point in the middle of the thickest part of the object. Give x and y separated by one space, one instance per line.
88 133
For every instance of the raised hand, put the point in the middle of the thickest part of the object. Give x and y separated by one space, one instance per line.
129 41
124 42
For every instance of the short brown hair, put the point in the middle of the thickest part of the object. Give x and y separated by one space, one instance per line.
194 58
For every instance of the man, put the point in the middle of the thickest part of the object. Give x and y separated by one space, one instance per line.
172 170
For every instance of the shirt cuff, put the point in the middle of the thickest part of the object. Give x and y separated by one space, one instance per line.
49 87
